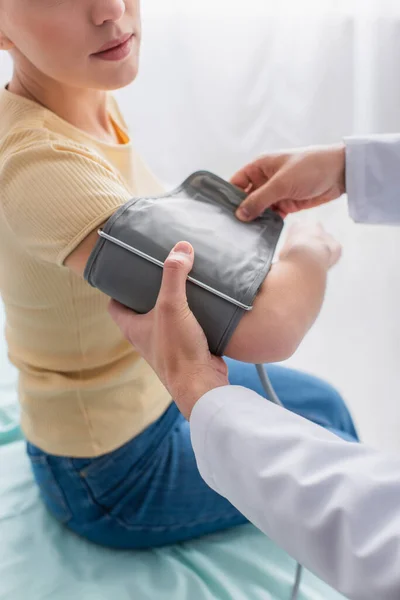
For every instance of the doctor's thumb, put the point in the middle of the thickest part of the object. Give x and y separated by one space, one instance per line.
172 296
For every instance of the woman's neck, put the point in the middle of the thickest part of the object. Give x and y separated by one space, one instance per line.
86 109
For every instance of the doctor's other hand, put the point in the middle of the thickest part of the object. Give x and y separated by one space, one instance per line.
171 340
291 181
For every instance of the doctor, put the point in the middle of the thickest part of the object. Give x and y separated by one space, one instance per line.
331 504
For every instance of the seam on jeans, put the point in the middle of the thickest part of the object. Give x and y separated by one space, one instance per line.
59 495
176 527
91 500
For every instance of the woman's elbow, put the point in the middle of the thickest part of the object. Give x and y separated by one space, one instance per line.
270 347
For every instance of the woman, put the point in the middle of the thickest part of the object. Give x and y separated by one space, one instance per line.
110 452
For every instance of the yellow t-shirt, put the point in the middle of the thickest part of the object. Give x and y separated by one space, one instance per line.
83 390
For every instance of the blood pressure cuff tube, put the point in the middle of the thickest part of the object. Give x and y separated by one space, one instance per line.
232 258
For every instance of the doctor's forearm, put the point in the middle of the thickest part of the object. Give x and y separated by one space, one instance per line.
373 179
333 505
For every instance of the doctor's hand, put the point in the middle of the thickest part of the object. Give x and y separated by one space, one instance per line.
292 181
171 340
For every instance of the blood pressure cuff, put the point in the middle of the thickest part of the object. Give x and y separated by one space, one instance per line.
231 262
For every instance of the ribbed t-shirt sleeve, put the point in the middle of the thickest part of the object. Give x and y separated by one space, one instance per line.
54 195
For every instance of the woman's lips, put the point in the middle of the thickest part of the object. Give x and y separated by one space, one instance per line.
117 50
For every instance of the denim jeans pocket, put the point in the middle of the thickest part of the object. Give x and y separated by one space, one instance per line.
50 490
110 475
109 478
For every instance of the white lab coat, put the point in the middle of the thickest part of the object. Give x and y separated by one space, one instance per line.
333 505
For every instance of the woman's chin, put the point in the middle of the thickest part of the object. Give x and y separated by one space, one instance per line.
119 77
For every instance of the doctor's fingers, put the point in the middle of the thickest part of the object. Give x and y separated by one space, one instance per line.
135 328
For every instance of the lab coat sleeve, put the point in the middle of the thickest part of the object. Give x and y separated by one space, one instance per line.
333 505
373 179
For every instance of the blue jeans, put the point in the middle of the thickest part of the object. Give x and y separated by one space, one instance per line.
149 493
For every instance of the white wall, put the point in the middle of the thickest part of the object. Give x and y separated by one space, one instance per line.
5 67
218 87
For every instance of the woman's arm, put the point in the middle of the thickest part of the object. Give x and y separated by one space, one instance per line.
286 307
77 260
289 300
